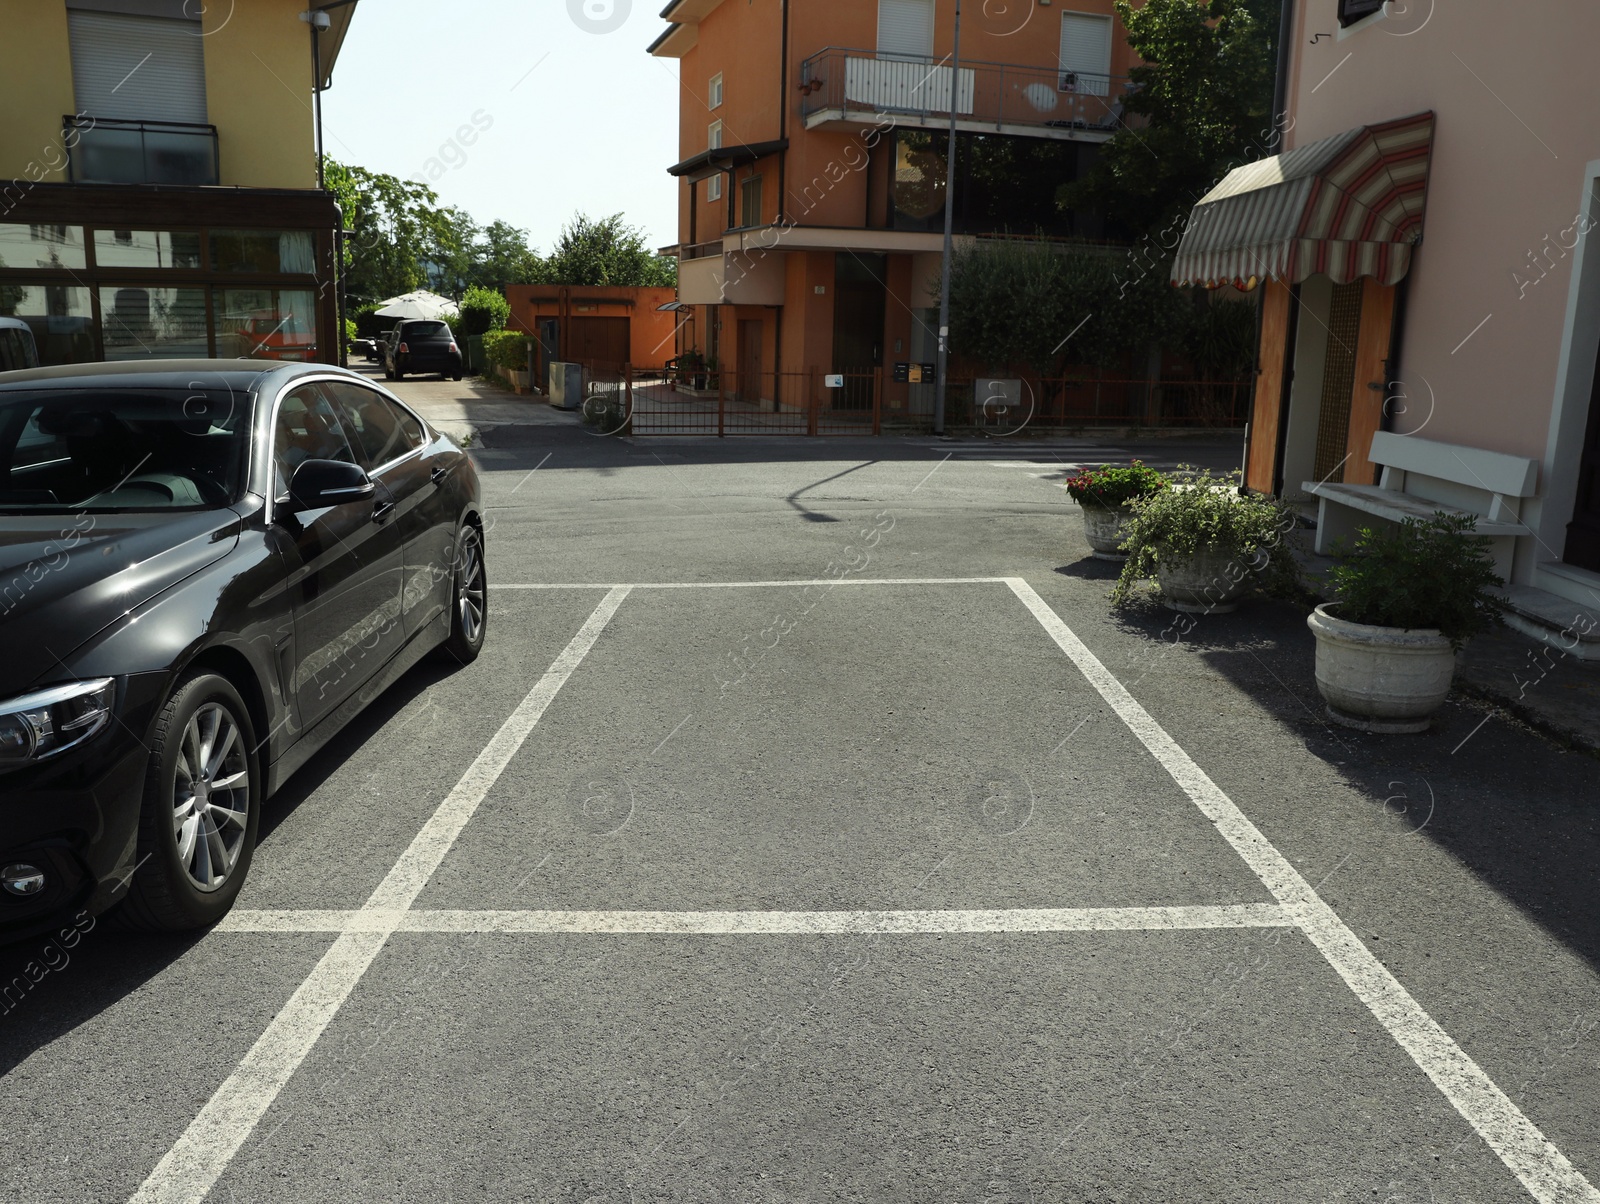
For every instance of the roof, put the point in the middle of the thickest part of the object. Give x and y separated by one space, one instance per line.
1346 206
721 158
340 14
160 374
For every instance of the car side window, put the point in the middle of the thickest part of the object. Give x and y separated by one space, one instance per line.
308 428
383 431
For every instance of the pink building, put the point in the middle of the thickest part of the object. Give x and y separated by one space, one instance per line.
1429 266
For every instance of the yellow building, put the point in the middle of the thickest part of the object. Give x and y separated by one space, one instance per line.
158 178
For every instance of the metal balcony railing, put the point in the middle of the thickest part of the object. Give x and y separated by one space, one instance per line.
701 250
106 151
859 85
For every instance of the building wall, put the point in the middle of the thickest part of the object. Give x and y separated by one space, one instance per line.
258 93
37 70
651 330
1518 118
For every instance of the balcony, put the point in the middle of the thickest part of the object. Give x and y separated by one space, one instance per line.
845 88
107 151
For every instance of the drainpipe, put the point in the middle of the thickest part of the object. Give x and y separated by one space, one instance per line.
1280 86
783 117
318 20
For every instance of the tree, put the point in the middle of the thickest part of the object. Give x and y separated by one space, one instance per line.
397 224
483 310
607 251
1205 89
504 257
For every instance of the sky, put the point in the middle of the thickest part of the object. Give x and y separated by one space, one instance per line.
527 112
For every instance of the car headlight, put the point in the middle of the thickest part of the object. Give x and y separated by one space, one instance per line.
48 722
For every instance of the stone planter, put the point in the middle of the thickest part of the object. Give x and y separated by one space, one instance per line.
1102 527
1380 679
1204 584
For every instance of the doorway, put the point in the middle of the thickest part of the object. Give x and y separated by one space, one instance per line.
750 360
859 303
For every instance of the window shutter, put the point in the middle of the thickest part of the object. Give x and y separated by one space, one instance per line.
138 68
1086 53
905 29
1351 11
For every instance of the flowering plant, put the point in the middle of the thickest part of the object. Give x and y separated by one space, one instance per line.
1111 487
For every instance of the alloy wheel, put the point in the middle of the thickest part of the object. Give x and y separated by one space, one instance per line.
211 796
471 592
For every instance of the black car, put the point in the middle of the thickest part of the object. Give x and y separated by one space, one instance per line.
421 345
207 568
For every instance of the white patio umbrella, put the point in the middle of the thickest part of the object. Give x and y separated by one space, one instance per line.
421 304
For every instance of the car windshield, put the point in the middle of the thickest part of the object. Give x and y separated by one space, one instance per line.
122 449
426 330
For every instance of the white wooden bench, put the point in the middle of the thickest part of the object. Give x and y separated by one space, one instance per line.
1422 477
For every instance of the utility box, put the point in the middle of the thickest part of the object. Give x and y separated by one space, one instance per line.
566 386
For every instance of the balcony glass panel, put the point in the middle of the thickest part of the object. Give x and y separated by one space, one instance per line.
142 152
59 316
146 249
26 246
153 322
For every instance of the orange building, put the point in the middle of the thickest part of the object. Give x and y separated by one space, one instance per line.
812 147
596 324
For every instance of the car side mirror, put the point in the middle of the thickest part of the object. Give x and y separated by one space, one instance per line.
319 483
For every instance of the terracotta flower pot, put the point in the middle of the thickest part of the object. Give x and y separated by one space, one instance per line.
1102 527
1209 582
1380 679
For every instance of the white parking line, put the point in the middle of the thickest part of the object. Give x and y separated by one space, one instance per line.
762 584
1542 1168
790 923
197 1160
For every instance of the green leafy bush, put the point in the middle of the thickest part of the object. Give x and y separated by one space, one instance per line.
1205 514
1109 486
483 310
506 350
1432 573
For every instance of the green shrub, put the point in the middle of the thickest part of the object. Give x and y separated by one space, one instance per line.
1206 514
1109 486
483 310
506 350
607 412
1432 573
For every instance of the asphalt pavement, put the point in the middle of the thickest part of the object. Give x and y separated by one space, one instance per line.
812 829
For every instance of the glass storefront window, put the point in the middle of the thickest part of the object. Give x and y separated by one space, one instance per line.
151 322
59 316
146 249
266 323
34 246
267 252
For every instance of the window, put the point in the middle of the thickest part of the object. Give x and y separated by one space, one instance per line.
714 188
152 322
41 246
905 29
263 251
137 68
382 430
146 249
750 202
307 429
1085 53
59 316
1351 11
714 92
714 136
266 323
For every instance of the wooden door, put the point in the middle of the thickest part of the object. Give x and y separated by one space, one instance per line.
597 340
750 359
1583 532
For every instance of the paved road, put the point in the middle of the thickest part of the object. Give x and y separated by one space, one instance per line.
962 890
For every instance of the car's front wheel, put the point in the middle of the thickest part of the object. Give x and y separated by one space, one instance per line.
201 809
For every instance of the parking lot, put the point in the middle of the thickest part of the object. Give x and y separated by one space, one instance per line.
811 829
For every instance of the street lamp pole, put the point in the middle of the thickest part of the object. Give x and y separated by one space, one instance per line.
949 227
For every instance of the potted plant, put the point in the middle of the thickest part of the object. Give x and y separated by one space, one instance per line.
1104 494
1407 599
710 380
1206 544
692 369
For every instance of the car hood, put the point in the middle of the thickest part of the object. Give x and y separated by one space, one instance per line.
65 577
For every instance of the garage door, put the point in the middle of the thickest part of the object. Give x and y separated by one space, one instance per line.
599 340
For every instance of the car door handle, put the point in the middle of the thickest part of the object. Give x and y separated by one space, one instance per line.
440 471
381 511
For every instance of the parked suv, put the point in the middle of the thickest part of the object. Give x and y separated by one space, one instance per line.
421 345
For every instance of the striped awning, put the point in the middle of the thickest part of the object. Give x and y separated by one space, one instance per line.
1347 206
